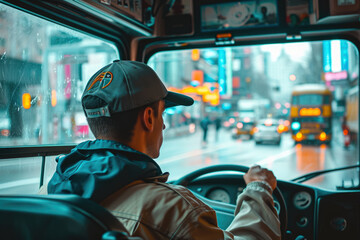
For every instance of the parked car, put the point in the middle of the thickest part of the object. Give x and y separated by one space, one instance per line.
4 124
230 121
284 125
267 130
243 129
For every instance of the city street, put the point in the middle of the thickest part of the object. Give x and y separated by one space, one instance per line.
183 154
287 160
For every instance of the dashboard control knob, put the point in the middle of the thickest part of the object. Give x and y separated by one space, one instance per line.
339 224
289 234
302 222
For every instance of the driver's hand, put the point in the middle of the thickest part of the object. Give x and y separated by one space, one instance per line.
257 173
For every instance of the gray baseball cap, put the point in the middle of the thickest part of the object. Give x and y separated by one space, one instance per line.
125 85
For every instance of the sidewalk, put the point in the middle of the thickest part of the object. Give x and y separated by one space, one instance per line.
177 132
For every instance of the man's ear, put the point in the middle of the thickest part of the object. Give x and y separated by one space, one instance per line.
148 118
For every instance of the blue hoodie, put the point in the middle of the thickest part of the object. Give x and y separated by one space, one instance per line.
96 169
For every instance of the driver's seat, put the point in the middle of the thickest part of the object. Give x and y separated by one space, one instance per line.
57 217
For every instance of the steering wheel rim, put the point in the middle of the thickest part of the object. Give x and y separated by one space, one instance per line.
185 180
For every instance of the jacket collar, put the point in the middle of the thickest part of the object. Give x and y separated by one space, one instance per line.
96 169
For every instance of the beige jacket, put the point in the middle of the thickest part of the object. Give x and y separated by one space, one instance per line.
156 210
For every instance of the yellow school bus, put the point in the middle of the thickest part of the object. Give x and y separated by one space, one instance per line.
311 113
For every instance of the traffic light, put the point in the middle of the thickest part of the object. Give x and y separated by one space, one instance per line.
197 76
53 98
26 100
195 54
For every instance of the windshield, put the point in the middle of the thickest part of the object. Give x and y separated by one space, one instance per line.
308 99
310 88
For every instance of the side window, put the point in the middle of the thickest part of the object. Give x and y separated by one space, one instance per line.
43 70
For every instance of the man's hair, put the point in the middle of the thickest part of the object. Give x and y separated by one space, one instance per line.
119 126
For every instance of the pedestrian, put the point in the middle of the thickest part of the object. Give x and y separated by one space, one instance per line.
123 103
204 124
217 123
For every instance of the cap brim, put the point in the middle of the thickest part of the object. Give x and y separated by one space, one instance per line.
173 99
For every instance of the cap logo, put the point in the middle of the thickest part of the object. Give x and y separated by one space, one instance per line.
103 78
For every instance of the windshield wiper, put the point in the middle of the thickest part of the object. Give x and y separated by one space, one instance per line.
311 175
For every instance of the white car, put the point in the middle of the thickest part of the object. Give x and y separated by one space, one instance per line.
267 130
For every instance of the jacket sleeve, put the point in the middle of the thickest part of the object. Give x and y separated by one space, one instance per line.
255 215
255 218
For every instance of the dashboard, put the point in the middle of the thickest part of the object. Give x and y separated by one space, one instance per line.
311 212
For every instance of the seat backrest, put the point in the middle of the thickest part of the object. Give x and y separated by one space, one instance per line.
56 217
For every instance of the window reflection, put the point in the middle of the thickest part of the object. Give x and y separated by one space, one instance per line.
43 70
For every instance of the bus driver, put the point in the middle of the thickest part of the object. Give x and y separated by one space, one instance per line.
123 103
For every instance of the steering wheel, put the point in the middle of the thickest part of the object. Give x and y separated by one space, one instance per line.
185 180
